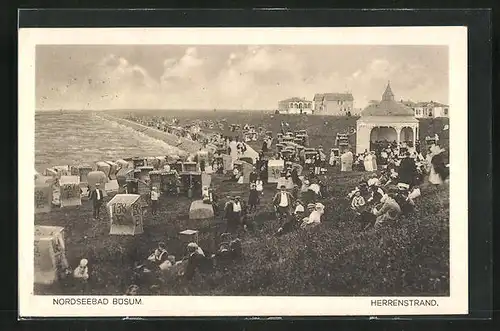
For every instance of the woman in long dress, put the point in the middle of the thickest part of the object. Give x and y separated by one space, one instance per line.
438 172
374 161
368 162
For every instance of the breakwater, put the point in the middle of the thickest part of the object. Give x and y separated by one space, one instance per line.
181 143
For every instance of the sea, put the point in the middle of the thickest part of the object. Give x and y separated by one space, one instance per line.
72 138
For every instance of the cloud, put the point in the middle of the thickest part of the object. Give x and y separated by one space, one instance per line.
408 81
253 77
113 82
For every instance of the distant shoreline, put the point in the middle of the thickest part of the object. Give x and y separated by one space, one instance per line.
152 109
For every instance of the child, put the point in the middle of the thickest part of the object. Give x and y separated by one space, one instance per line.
253 198
259 186
81 275
357 202
206 195
299 209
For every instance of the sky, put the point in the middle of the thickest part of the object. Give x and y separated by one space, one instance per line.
96 77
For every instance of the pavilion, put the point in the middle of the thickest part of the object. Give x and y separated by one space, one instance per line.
386 120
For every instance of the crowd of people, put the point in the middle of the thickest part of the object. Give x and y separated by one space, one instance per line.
190 132
390 193
396 175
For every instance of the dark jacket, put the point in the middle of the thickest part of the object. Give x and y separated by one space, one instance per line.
277 199
93 196
407 170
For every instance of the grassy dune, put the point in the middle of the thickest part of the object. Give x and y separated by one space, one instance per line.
410 257
407 258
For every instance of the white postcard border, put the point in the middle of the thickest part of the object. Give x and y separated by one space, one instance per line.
454 37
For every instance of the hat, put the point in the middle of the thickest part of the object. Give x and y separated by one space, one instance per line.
97 184
154 188
311 206
192 245
282 187
403 186
83 263
237 197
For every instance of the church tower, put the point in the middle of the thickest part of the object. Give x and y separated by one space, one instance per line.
388 95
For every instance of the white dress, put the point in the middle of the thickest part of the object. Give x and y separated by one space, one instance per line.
374 163
332 158
434 177
368 163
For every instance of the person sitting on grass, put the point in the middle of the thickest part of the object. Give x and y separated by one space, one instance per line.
168 263
376 195
228 249
195 259
82 271
299 209
393 177
314 217
316 190
373 181
81 275
323 189
402 198
362 188
158 256
388 211
295 220
358 202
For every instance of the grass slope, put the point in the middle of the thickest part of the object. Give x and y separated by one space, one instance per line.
407 258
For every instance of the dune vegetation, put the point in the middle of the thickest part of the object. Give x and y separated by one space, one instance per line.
337 258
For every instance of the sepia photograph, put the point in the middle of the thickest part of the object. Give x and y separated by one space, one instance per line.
311 164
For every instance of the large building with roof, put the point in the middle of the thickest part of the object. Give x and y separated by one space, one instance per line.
339 104
295 106
387 120
428 109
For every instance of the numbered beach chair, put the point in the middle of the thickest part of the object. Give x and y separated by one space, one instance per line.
70 191
43 197
126 214
49 255
274 168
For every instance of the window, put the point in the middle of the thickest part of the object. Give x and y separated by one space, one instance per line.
446 112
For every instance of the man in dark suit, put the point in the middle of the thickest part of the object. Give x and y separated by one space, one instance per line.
283 202
96 196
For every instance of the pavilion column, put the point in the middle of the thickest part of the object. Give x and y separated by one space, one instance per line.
398 134
414 129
